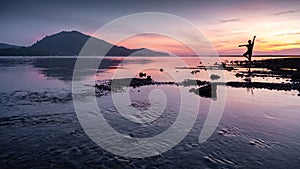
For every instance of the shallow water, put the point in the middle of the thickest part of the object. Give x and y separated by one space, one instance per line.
39 129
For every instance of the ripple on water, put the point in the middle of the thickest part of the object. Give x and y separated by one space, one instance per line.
229 131
218 161
258 143
21 97
261 143
32 120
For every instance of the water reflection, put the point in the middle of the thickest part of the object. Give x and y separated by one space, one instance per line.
266 125
55 71
63 68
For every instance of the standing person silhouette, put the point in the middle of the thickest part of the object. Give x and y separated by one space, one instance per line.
249 46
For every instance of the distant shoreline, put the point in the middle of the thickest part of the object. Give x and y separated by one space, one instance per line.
279 55
184 56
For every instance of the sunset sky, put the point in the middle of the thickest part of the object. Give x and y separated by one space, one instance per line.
225 23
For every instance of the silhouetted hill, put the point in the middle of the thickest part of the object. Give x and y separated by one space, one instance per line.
5 46
71 43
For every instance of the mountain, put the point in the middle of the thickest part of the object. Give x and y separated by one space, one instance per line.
71 43
5 46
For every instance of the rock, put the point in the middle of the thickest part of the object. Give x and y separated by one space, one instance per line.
247 79
214 77
239 75
103 87
209 91
142 74
296 75
149 78
195 71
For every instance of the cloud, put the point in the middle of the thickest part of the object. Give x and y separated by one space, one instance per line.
261 41
150 35
286 12
291 51
229 20
282 44
224 41
283 34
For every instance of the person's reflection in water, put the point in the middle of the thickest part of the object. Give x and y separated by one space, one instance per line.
249 79
250 90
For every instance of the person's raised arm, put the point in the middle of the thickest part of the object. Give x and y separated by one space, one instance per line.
253 40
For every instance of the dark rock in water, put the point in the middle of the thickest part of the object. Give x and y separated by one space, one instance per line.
103 87
131 82
149 78
209 91
296 75
247 79
190 82
214 77
119 84
195 71
142 74
239 75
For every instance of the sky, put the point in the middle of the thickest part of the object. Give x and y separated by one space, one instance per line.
226 23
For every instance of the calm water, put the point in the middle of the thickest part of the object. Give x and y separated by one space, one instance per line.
39 129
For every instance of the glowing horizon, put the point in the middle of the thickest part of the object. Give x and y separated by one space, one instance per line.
277 33
167 44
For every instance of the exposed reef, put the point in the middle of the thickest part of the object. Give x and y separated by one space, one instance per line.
206 88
